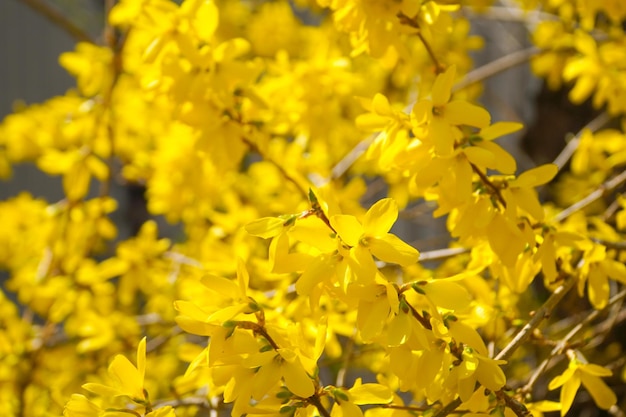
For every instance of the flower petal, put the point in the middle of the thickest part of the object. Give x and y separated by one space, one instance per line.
348 228
568 392
499 129
296 379
442 86
390 248
537 176
380 217
602 395
461 112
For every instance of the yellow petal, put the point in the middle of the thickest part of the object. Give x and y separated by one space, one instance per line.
141 359
596 370
380 217
371 122
348 228
527 200
504 161
243 278
568 392
390 248
349 409
370 394
421 113
614 269
102 390
127 376
499 129
490 374
296 379
399 330
320 269
265 379
467 335
76 181
442 136
205 20
371 318
80 406
380 105
313 231
266 227
362 264
460 112
480 157
442 86
223 286
448 294
505 240
562 379
602 395
598 287
537 176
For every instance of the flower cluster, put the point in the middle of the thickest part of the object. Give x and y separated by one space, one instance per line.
292 285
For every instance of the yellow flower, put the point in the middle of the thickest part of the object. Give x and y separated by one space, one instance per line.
589 374
436 120
373 238
80 406
127 378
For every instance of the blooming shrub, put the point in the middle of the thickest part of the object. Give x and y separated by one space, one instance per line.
289 292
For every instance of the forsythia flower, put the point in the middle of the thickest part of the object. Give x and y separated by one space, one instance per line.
127 379
589 374
436 120
373 238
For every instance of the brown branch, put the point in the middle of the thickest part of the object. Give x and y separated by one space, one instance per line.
562 344
517 407
355 153
542 313
485 180
405 407
317 403
598 193
283 171
412 22
58 19
257 329
569 149
422 320
441 253
496 66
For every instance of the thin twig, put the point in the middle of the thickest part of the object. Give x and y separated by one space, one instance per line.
58 19
497 66
253 147
348 354
317 403
412 22
485 180
509 14
441 253
542 313
355 153
561 160
561 344
591 197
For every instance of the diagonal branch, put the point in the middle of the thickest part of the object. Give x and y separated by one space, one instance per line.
58 19
541 314
598 193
